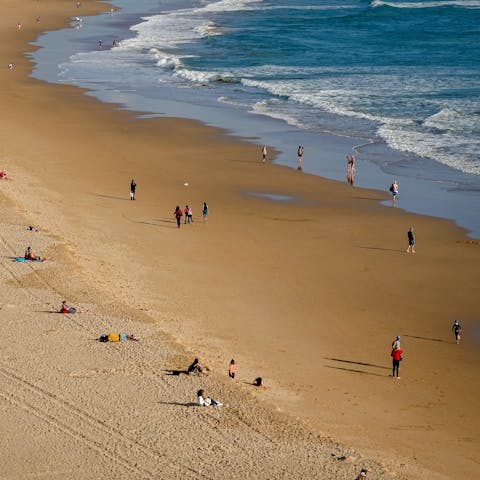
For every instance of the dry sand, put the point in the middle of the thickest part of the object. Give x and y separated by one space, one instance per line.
307 294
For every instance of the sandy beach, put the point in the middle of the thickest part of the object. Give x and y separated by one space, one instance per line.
307 292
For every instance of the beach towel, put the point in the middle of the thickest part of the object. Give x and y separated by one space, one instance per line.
20 259
113 337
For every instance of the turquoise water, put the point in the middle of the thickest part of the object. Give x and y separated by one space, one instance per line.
392 75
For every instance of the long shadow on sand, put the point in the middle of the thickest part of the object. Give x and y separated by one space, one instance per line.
427 338
354 371
175 372
154 224
381 248
180 404
165 220
111 196
357 363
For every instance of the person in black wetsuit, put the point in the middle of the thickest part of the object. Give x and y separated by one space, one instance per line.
133 187
457 329
411 241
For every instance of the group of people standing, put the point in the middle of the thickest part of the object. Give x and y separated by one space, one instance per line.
178 213
188 212
299 156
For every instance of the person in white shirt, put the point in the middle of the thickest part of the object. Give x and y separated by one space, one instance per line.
204 401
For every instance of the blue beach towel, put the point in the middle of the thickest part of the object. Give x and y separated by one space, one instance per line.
20 259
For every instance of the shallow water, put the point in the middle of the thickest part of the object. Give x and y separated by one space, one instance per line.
397 80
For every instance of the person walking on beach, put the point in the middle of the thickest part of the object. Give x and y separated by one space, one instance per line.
190 215
394 191
205 211
396 359
300 157
232 368
178 215
457 330
264 153
411 241
350 169
186 211
133 187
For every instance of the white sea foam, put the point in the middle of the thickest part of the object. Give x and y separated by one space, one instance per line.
299 95
309 7
210 29
444 148
228 6
428 4
270 109
203 77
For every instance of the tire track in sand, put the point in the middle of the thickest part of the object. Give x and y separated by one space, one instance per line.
113 444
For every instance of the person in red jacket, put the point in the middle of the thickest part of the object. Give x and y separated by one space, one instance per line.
178 215
396 359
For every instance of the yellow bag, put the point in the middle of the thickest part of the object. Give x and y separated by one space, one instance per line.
113 337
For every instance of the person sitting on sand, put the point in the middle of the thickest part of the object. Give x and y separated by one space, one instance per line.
258 382
3 175
68 309
29 255
116 337
195 367
204 401
363 474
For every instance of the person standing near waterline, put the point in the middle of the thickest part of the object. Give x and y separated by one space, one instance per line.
457 329
350 169
264 153
300 157
396 359
133 187
411 241
394 191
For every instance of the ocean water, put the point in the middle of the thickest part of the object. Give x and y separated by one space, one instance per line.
399 79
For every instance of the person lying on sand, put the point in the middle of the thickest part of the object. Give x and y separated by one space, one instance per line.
204 401
363 474
3 175
68 309
32 228
116 337
29 255
195 367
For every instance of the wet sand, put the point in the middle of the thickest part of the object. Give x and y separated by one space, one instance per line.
307 294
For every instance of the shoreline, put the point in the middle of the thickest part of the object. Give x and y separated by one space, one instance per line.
426 187
180 274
